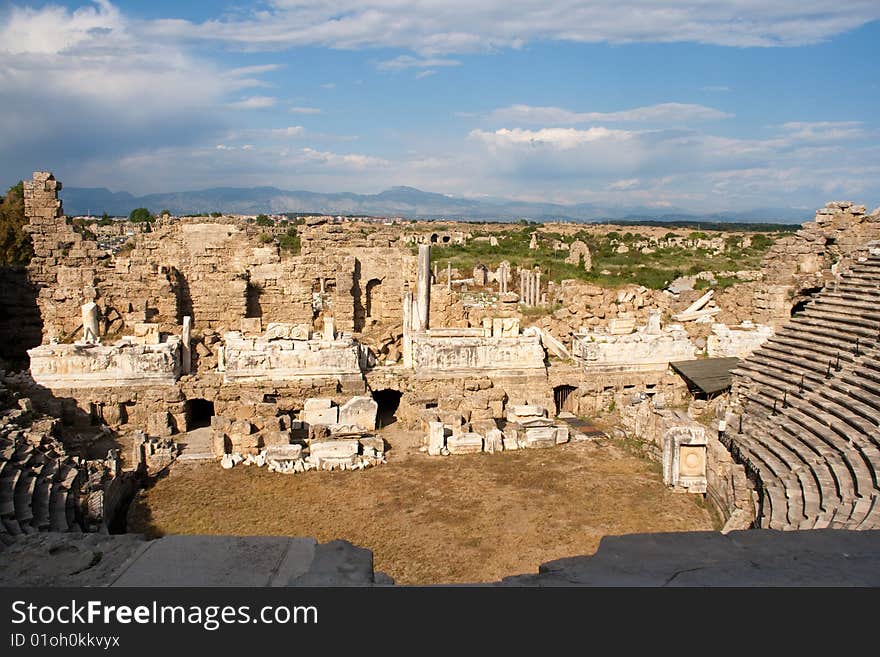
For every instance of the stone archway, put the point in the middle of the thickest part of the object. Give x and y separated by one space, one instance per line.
372 299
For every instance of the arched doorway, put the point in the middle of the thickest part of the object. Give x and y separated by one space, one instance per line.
372 304
563 399
388 401
198 413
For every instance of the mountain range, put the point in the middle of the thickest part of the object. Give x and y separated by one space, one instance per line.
405 202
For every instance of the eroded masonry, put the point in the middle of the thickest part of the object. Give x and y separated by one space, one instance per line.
294 361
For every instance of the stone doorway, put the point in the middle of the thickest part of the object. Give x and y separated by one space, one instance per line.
563 399
199 413
389 401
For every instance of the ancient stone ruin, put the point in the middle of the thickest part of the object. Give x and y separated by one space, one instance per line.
201 340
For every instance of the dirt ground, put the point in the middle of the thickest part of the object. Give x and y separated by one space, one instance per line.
468 518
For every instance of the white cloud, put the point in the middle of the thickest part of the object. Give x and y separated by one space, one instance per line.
304 110
424 74
408 61
328 85
664 112
624 185
341 161
86 83
254 102
823 131
430 27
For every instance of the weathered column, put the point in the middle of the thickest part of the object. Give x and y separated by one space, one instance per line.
449 276
537 288
90 322
653 327
329 329
185 351
435 272
522 286
530 288
424 285
407 328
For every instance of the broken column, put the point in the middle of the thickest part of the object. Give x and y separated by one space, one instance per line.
407 328
537 288
436 438
329 329
653 327
90 322
448 275
185 350
424 285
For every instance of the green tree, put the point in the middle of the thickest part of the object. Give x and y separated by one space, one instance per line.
15 244
139 215
263 220
290 241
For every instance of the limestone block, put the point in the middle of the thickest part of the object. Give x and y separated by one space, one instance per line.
528 410
240 428
562 435
436 438
339 448
146 333
538 437
274 438
112 414
277 331
219 445
376 443
494 441
464 443
159 424
359 411
284 452
251 326
320 411
510 327
497 408
621 325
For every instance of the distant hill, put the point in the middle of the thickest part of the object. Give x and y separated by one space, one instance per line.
398 201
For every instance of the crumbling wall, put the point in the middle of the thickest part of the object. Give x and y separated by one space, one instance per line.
21 326
63 267
727 487
799 265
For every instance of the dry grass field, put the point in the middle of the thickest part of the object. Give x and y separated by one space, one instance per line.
472 518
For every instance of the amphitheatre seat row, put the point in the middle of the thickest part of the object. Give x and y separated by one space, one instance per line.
809 433
37 491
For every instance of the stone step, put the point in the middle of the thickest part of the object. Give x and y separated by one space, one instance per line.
805 345
841 307
848 479
58 506
809 494
872 518
833 327
837 340
842 332
40 503
807 361
24 490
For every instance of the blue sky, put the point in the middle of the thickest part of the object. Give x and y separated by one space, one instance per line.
705 106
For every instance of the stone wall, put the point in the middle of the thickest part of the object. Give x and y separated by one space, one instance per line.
797 266
63 268
217 271
727 487
21 327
